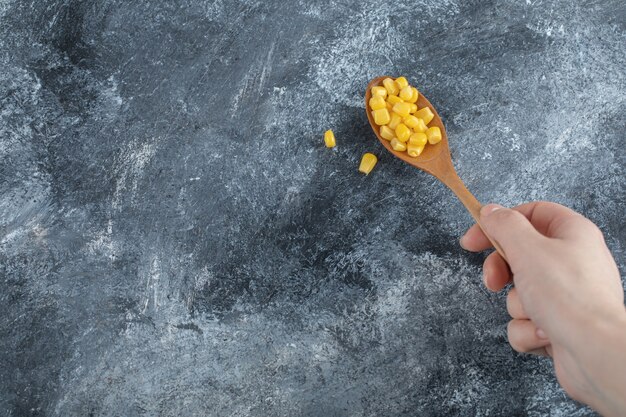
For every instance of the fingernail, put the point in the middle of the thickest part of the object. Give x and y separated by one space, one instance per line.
541 334
488 209
462 241
485 274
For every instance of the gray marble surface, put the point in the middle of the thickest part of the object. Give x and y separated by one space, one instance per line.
176 240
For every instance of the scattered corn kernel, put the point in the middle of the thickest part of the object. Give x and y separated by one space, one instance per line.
418 139
377 103
329 139
389 106
387 132
368 161
396 145
402 132
402 109
411 121
425 114
391 86
381 116
434 135
379 91
421 126
401 82
395 121
413 108
394 99
415 95
406 93
414 150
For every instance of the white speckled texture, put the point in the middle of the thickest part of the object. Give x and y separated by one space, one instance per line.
176 240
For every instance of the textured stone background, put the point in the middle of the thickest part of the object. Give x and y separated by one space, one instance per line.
175 239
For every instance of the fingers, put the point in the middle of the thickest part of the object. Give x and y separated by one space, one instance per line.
555 220
514 305
500 223
496 273
549 219
474 240
523 336
515 234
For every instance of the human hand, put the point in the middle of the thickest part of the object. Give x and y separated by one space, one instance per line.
568 300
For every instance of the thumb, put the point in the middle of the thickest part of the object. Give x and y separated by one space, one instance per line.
511 230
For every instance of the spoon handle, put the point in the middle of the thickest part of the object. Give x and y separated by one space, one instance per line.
454 183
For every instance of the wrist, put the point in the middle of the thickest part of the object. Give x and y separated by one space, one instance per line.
602 357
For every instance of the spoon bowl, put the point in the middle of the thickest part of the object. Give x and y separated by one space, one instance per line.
435 159
431 152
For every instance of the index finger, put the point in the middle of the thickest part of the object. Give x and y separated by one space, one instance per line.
547 218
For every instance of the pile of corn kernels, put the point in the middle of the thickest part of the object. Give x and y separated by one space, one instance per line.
395 110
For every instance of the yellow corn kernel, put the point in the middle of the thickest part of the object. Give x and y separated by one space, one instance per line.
402 109
414 150
402 132
395 121
379 91
394 99
387 133
389 105
396 145
381 116
368 161
413 108
425 114
434 135
414 96
391 86
329 139
418 139
411 121
401 82
421 126
377 103
406 93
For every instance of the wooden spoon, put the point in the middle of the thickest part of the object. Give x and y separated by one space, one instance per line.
435 159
